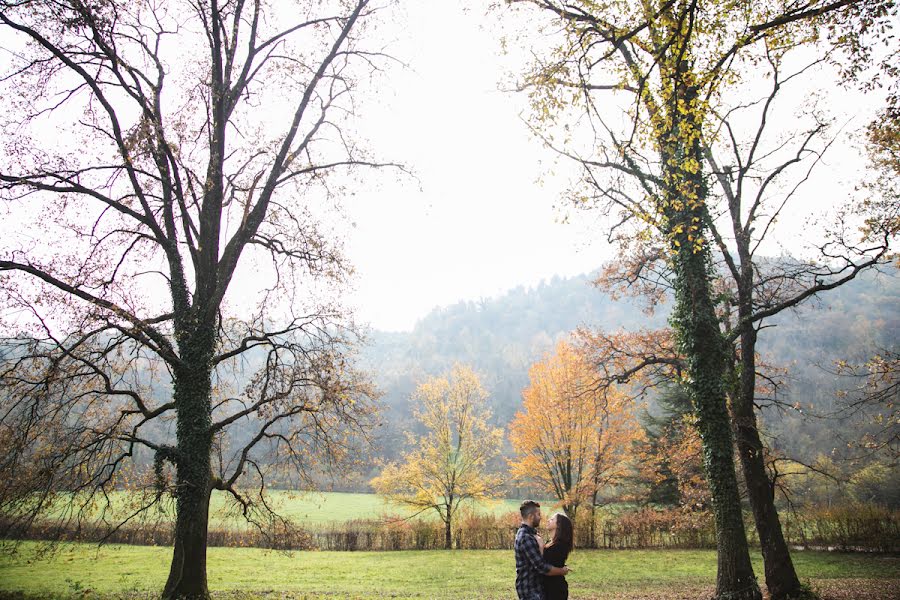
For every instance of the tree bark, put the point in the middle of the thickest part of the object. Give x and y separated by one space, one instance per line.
781 577
187 574
193 393
448 535
592 543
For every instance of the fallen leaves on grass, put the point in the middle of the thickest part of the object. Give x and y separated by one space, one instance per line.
828 589
857 589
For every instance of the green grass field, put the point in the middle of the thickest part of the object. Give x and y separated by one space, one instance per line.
308 508
85 571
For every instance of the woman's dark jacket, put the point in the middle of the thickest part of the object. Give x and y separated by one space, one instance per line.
555 588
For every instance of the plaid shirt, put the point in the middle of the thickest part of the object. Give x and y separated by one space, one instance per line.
530 565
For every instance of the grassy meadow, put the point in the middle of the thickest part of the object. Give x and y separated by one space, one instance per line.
120 572
307 509
84 571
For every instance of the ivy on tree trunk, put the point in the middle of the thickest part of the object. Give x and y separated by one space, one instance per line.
697 330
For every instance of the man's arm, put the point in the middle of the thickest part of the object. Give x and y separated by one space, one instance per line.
533 555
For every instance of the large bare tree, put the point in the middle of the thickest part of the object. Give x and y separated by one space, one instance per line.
170 285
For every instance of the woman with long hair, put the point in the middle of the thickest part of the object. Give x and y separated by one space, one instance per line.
556 552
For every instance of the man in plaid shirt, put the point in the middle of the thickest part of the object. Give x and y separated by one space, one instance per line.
530 565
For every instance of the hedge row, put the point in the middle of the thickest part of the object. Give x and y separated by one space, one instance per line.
845 528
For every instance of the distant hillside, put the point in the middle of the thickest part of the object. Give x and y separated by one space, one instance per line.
501 337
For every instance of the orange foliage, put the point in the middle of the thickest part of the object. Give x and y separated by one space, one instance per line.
572 438
682 449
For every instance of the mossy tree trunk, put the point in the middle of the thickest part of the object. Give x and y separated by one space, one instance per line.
704 349
697 329
193 397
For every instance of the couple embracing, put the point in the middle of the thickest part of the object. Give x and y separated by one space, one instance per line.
541 568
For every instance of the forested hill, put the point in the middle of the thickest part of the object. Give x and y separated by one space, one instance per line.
501 337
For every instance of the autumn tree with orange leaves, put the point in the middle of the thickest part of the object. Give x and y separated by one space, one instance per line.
571 438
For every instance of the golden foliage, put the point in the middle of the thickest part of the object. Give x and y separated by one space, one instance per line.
449 462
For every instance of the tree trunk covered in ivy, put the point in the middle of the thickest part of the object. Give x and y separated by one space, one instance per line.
699 337
695 322
193 397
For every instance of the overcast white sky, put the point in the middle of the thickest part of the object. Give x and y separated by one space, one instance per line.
477 222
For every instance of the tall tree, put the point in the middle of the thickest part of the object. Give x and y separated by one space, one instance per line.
676 60
570 437
765 288
755 183
155 156
645 41
447 462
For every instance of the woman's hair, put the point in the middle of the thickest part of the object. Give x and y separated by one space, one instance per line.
564 534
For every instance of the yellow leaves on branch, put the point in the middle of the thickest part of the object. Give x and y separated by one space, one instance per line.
687 234
448 462
571 438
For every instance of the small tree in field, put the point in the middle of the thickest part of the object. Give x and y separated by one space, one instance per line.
448 463
572 438
155 154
